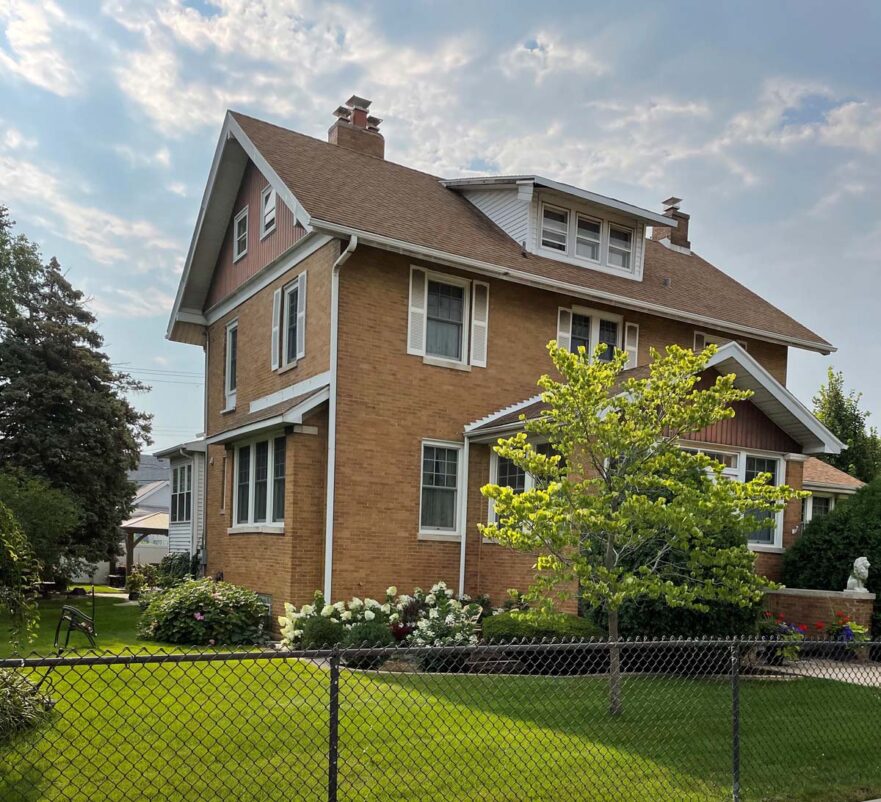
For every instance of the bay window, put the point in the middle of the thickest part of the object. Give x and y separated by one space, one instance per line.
260 482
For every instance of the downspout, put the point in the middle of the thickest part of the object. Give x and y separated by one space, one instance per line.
464 513
331 412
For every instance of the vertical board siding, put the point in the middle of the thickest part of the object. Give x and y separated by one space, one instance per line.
749 428
504 209
229 275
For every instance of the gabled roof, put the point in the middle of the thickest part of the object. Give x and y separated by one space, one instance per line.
823 476
777 403
338 191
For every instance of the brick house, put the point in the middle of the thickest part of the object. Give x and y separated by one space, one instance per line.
369 330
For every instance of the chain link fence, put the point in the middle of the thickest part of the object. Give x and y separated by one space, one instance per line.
699 720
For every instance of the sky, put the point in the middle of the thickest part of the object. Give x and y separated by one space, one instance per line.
764 117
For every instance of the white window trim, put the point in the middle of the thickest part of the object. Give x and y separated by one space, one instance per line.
235 239
176 473
268 526
442 361
739 474
432 533
288 290
596 316
570 255
809 505
230 394
264 196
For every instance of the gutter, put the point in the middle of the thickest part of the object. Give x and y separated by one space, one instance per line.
519 277
331 412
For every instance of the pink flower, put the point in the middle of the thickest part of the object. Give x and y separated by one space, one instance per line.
199 616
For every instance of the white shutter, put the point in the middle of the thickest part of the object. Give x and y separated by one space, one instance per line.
700 342
301 316
631 344
276 320
416 322
564 328
479 323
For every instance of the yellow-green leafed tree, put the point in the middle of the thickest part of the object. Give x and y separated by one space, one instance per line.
618 509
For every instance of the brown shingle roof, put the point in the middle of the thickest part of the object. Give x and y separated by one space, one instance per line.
817 472
342 186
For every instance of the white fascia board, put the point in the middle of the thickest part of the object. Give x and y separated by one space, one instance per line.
795 407
309 385
231 129
497 182
502 412
519 277
824 487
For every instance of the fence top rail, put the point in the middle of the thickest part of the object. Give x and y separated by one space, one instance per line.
197 655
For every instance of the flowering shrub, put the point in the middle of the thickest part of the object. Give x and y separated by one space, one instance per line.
204 613
792 635
446 622
345 614
845 630
22 706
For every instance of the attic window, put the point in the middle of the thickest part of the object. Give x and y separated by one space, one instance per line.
267 214
554 228
620 247
240 234
587 238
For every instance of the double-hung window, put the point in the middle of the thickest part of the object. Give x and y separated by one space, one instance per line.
583 327
267 211
231 364
504 473
260 482
288 341
754 467
181 493
815 506
240 235
439 501
588 237
445 321
291 298
620 247
554 228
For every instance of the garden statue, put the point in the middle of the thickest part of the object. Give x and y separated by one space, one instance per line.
859 575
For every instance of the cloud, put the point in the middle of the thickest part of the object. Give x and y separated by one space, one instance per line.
135 303
33 54
854 124
107 237
136 158
545 55
178 188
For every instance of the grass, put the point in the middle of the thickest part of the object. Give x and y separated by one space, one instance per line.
258 730
98 588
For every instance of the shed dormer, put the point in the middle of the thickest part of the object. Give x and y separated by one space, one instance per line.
563 222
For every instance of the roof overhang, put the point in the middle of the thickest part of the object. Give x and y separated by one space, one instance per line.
182 449
777 403
529 279
525 183
152 523
234 150
826 487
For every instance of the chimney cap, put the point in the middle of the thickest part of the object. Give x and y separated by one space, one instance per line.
356 102
672 202
342 113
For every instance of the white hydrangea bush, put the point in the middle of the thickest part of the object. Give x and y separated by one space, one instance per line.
444 620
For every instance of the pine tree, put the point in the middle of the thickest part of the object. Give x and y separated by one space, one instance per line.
64 415
840 411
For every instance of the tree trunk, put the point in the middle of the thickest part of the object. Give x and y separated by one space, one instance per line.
129 552
614 666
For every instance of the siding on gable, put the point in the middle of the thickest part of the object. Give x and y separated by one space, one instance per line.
229 275
504 208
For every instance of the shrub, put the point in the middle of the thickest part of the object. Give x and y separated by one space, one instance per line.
22 706
446 622
822 558
320 632
203 612
507 627
789 636
366 634
649 618
175 568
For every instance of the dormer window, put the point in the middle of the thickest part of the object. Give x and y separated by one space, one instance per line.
587 238
620 247
554 228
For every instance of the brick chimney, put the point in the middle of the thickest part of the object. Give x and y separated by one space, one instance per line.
356 129
678 236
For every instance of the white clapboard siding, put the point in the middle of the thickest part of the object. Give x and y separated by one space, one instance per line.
180 537
504 209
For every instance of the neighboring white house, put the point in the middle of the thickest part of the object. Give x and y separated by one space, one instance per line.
186 507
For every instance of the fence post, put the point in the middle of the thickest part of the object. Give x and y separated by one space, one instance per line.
333 726
735 720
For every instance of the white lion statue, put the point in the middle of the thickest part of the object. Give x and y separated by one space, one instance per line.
859 575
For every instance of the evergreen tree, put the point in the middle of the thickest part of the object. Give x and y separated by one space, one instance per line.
64 415
840 411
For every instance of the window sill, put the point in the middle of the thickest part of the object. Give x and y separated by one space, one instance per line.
445 363
265 234
286 368
441 537
765 549
228 410
241 256
255 529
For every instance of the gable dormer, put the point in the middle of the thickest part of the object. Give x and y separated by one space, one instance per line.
562 222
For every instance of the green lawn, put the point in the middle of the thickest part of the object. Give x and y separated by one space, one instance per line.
257 730
98 588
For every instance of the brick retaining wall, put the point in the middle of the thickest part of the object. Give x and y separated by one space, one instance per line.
802 606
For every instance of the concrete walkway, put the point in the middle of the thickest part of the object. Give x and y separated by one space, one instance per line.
853 673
